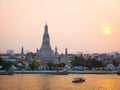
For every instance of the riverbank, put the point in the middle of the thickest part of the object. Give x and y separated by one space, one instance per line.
54 71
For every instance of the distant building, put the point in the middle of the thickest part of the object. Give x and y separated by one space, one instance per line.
95 56
8 57
5 56
110 67
10 52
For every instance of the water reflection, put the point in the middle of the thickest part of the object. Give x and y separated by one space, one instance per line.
59 82
109 83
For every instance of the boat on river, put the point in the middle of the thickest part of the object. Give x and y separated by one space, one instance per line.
118 73
78 80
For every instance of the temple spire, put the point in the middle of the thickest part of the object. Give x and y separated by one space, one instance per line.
22 52
45 23
46 51
56 52
46 28
66 51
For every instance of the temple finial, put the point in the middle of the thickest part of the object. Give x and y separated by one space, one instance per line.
46 28
45 23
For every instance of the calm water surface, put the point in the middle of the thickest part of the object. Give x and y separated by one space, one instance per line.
59 82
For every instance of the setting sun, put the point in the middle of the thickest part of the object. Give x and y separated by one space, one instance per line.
106 30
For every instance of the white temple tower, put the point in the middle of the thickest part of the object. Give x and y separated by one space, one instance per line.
46 53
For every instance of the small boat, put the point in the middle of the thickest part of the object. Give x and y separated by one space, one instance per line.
118 73
77 80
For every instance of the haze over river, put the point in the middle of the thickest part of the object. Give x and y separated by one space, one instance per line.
59 82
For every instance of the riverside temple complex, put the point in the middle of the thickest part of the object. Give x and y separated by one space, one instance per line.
46 54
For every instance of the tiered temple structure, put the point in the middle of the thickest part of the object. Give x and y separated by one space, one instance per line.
46 53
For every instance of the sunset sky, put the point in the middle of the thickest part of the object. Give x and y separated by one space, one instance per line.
79 25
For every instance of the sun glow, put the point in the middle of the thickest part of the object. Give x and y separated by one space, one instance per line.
107 30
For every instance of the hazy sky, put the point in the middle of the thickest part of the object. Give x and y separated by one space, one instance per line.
73 24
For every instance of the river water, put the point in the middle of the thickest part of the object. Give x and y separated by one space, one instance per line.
59 82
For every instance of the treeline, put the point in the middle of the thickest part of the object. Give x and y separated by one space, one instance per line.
5 64
90 63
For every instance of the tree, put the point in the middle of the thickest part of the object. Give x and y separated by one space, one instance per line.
50 65
6 64
92 63
1 61
115 62
78 61
60 65
30 55
33 66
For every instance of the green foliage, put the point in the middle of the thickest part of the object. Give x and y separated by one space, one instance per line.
1 61
90 63
78 61
50 65
115 62
6 64
30 54
33 66
60 65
